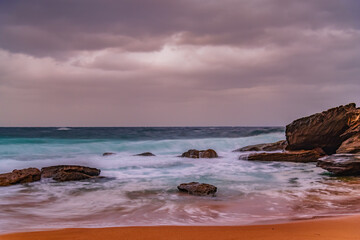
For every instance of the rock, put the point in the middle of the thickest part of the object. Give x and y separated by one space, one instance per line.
280 145
342 165
199 189
69 172
351 145
146 154
326 130
193 153
303 156
20 176
63 176
108 153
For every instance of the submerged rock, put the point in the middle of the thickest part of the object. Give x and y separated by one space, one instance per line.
280 145
69 172
20 176
146 154
193 153
326 130
199 189
108 153
303 156
342 165
351 145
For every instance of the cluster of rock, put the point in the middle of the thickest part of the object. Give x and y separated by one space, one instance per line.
192 153
330 138
323 138
60 173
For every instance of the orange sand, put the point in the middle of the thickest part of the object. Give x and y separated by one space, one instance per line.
344 228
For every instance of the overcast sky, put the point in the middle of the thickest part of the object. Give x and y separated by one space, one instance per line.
176 63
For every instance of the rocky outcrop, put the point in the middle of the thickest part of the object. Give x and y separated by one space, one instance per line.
326 130
303 156
146 154
193 153
108 154
199 189
341 165
351 145
69 172
280 145
20 176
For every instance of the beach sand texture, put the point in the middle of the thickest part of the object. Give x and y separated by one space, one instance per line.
343 228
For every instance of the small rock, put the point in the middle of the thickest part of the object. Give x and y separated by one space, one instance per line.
280 145
303 156
146 154
193 153
199 189
342 165
108 153
20 176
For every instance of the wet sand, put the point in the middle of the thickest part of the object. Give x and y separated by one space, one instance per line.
338 228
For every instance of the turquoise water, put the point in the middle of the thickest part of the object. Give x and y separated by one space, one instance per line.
142 190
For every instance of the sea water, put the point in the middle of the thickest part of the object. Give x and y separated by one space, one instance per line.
141 191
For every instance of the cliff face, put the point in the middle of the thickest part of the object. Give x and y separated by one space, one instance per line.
326 130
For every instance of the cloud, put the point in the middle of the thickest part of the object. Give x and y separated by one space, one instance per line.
122 63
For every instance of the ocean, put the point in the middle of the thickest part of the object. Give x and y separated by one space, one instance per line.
142 191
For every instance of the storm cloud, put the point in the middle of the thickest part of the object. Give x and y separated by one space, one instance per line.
171 63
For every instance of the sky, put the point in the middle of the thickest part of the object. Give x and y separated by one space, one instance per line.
176 63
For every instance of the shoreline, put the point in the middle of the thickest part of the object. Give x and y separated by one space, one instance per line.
344 227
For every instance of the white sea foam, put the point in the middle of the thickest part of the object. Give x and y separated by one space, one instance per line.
63 129
142 190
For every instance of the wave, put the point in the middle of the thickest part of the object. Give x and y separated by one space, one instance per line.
63 129
47 148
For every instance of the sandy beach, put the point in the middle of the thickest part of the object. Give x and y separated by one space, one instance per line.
327 229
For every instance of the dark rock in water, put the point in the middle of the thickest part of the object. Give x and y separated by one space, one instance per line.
351 145
69 172
303 156
342 165
326 130
20 176
63 176
108 154
199 189
280 145
193 153
146 154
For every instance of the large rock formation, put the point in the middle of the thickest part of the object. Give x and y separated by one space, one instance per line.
20 176
326 130
193 153
199 189
69 172
342 165
351 145
280 145
303 156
